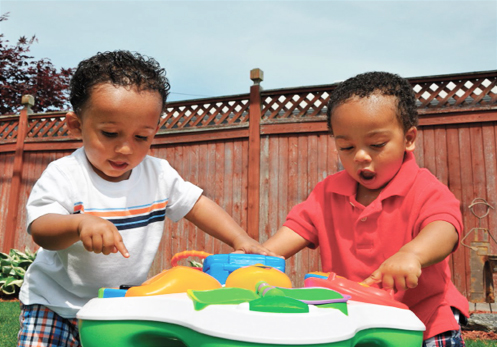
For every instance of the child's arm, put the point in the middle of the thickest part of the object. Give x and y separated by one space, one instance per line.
211 218
55 231
402 270
286 242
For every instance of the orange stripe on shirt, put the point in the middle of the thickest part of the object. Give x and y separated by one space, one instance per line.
125 213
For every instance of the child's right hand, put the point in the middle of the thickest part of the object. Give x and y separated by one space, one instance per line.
100 236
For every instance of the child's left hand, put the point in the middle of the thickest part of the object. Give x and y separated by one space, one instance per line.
400 272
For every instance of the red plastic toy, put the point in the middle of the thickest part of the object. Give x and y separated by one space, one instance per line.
357 291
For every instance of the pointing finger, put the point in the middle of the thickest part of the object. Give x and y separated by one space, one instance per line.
119 244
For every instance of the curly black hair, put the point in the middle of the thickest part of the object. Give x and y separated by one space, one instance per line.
383 83
120 68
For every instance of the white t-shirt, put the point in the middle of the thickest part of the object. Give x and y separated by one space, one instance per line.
65 280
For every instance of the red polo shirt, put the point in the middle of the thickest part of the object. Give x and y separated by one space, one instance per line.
354 240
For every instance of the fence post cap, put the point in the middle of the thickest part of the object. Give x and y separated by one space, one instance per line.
257 75
28 100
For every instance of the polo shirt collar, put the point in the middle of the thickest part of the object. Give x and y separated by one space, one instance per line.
399 185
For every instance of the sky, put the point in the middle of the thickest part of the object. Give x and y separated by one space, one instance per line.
209 47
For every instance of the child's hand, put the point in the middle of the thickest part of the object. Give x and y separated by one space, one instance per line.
401 272
248 245
100 236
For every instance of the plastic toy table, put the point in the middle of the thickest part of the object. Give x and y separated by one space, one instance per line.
255 307
171 320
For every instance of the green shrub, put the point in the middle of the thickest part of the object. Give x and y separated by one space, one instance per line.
13 266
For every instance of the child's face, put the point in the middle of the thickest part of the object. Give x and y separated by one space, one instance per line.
117 128
370 140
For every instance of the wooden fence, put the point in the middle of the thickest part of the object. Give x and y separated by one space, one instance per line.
259 154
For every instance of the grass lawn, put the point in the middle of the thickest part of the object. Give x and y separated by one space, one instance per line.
9 323
9 326
480 343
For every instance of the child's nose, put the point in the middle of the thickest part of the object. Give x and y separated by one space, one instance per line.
124 147
362 155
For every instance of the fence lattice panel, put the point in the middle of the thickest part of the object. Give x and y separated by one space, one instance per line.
47 127
434 95
453 94
307 105
207 114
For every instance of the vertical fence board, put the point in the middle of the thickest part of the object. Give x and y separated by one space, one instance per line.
300 260
244 218
273 190
441 154
489 133
221 162
210 187
228 185
6 165
458 265
467 195
429 150
201 181
265 230
419 150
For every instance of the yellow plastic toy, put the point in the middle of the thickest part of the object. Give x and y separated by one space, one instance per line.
247 277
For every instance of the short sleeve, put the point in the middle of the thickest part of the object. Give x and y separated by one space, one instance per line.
439 204
182 195
305 217
50 194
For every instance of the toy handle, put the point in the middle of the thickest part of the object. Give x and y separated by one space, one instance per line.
186 254
262 288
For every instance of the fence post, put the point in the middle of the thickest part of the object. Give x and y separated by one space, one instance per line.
254 160
15 185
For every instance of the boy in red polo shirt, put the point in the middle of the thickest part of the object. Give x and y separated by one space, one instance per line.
383 220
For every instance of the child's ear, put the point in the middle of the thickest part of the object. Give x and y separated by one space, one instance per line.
73 123
410 138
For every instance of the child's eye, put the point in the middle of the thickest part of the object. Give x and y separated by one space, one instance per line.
142 138
346 148
379 145
109 134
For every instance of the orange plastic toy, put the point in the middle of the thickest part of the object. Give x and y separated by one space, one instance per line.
177 279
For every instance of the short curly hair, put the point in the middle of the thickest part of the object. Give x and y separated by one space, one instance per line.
120 68
383 83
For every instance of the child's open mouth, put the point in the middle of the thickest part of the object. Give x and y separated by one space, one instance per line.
367 175
118 165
